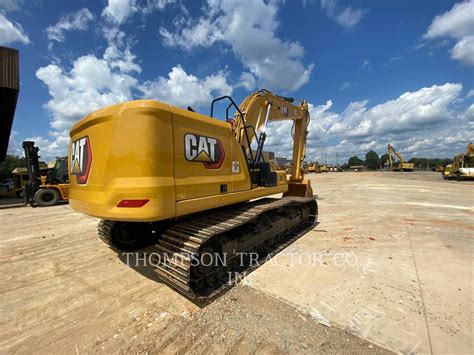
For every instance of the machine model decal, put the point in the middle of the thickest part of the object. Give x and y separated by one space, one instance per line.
235 167
81 159
205 150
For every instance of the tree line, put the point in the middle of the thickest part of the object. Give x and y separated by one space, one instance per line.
374 162
11 162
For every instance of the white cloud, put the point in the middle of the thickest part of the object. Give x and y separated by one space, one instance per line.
77 21
418 123
247 80
469 116
346 17
118 53
89 85
249 28
329 6
14 146
183 89
409 112
94 82
52 148
366 64
11 5
344 86
349 17
157 5
117 11
464 50
457 24
11 32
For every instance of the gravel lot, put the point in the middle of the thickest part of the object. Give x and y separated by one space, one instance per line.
62 290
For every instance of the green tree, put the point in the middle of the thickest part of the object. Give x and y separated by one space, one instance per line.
424 163
372 160
355 161
11 162
384 159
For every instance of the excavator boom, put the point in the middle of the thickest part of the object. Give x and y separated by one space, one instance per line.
263 107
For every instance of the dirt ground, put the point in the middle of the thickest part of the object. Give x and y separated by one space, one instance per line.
392 265
393 261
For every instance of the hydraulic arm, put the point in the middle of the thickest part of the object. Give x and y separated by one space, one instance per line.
250 124
402 165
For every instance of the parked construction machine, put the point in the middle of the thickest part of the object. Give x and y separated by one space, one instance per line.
44 190
402 164
312 168
184 184
462 166
15 186
323 168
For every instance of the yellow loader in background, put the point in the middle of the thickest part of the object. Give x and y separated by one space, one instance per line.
462 165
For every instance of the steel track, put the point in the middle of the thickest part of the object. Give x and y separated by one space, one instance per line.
258 226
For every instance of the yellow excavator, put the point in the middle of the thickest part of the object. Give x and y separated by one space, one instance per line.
190 184
402 164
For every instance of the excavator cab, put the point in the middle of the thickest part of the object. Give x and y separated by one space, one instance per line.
260 170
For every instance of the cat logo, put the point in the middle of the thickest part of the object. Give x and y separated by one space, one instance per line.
205 150
81 159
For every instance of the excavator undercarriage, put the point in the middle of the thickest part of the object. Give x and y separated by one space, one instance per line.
199 256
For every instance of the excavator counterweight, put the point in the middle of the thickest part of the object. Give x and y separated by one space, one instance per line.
182 181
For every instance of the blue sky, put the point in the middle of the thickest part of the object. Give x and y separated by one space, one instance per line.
375 72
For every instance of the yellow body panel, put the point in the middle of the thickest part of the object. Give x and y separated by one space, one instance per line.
139 150
448 170
196 205
406 166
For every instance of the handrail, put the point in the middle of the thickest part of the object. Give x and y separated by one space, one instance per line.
227 112
222 98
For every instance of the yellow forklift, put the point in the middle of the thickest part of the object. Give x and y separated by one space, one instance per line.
44 190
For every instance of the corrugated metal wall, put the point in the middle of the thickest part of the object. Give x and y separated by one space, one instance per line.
9 88
9 71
